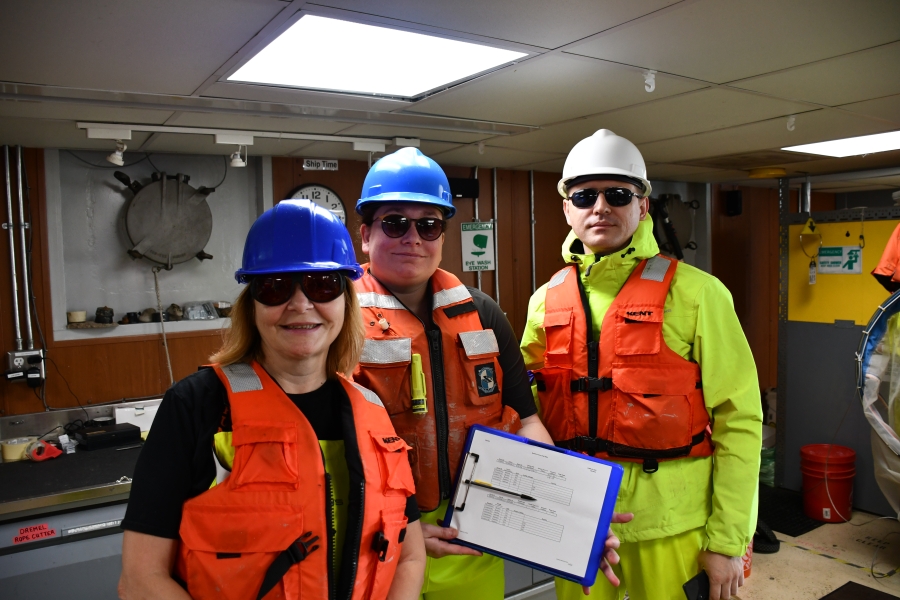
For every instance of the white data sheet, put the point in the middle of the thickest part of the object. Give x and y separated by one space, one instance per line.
535 504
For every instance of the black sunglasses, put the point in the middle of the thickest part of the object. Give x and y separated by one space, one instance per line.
615 196
395 226
278 288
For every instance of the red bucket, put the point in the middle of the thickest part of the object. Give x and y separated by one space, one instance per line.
828 473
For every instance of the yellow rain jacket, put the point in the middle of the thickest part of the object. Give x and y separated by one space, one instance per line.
699 323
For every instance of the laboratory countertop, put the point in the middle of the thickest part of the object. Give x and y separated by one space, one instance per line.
84 478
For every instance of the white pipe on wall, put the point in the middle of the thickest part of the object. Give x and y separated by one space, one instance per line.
496 252
12 250
23 225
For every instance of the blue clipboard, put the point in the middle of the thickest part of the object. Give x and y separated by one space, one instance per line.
615 480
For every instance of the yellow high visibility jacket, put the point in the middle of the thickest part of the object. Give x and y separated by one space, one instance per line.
699 324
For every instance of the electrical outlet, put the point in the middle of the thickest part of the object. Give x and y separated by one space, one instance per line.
21 360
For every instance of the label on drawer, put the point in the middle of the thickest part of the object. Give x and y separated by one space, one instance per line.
33 533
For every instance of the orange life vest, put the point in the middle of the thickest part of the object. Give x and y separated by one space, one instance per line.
628 397
266 525
462 376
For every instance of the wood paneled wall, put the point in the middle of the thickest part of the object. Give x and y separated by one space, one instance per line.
513 228
88 371
745 258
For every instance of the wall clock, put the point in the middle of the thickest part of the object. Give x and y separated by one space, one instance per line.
324 197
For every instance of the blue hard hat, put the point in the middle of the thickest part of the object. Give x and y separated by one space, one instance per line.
407 175
296 236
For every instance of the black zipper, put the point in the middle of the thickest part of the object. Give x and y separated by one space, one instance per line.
441 421
593 350
356 549
440 410
332 537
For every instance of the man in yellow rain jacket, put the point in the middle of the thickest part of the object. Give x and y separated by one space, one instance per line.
642 360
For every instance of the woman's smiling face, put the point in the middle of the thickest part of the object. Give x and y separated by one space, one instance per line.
299 329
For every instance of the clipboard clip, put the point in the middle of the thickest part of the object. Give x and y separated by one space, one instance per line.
467 479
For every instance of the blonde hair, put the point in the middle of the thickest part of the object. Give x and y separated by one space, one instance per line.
242 342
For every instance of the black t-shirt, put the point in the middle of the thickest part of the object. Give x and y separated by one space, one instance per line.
177 461
516 390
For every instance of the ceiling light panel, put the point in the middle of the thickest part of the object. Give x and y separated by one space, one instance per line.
855 146
330 54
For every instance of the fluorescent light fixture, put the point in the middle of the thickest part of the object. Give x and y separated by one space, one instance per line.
330 54
855 146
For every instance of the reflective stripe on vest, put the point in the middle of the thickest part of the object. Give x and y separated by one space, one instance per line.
463 378
267 512
649 399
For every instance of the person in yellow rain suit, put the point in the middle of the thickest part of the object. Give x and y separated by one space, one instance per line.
641 360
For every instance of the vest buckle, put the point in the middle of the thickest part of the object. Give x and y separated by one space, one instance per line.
651 465
590 384
584 443
380 545
302 547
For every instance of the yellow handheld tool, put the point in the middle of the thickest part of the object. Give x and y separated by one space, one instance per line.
417 386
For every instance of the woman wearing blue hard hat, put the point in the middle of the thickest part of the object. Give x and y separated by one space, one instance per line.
412 308
270 474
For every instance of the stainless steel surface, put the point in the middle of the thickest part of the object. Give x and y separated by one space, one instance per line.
496 253
12 250
26 291
40 423
58 525
531 217
805 197
116 490
544 590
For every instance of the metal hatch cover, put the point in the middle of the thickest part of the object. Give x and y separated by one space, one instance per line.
168 221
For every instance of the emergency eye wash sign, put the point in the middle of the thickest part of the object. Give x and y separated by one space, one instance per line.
840 260
478 246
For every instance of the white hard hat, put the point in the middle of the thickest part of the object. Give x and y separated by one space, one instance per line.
604 153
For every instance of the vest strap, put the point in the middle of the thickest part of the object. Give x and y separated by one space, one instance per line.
590 384
592 446
296 553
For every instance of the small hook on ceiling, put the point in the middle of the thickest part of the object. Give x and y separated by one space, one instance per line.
790 122
650 80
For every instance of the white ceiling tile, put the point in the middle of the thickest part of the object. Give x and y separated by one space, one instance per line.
664 172
704 110
38 133
882 108
849 78
254 123
550 89
263 93
438 135
81 112
724 41
165 46
534 22
814 126
694 112
493 157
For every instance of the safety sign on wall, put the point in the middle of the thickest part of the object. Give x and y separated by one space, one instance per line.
838 260
478 246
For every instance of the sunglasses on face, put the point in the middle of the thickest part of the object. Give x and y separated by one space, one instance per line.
428 228
615 196
275 290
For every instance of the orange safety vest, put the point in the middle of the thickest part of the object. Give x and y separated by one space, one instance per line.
628 397
462 376
263 531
